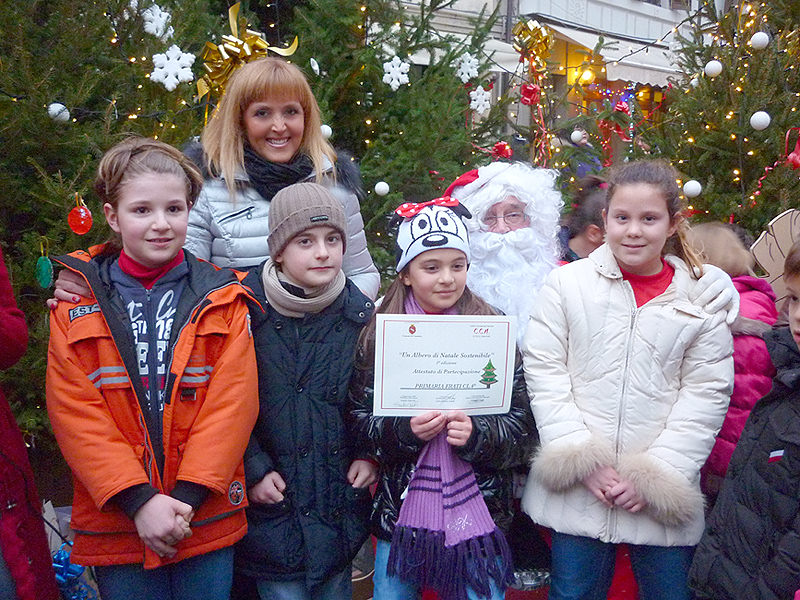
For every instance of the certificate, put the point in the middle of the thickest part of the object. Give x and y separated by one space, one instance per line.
443 362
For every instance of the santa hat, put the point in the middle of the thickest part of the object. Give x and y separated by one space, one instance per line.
479 189
430 226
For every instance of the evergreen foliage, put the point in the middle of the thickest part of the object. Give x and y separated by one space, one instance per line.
418 138
95 57
706 132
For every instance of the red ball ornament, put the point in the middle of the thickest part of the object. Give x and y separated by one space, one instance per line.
80 218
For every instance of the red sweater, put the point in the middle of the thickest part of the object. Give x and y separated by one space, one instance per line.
22 537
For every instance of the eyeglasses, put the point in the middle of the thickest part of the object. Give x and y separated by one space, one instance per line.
511 218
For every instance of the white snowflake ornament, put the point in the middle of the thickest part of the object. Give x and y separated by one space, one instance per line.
156 22
479 100
172 67
467 67
396 73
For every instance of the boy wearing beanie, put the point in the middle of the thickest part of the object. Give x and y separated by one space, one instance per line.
307 483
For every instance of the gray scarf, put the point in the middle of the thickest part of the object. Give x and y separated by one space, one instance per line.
290 305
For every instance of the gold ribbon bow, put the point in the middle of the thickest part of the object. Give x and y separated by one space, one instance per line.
221 61
533 41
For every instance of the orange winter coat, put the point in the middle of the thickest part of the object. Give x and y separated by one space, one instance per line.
93 386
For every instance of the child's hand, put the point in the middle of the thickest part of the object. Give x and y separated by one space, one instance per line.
159 523
269 490
625 495
183 525
459 428
70 287
600 481
184 522
428 425
362 473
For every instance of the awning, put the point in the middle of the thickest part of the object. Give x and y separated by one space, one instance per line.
629 61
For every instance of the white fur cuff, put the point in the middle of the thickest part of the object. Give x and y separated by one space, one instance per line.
560 466
671 499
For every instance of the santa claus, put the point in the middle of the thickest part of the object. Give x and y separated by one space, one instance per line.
512 233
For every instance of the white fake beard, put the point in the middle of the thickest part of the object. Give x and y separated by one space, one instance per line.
508 269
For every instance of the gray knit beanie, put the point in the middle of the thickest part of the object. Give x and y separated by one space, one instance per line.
298 207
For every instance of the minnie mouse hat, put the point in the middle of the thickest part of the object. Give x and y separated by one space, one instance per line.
430 226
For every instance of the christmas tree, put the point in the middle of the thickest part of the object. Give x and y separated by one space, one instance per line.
728 121
489 376
76 76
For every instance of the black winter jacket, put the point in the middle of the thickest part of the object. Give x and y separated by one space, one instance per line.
751 546
498 444
304 367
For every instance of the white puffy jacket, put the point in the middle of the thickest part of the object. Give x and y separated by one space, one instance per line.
234 234
644 390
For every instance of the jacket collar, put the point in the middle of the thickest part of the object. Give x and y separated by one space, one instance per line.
678 291
203 276
785 355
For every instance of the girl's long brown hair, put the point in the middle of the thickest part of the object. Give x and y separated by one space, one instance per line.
393 303
661 175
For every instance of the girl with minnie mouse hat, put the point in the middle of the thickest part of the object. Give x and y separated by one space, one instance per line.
444 497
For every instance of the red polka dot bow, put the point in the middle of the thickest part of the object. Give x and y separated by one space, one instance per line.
410 209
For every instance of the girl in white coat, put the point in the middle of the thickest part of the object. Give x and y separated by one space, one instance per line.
629 383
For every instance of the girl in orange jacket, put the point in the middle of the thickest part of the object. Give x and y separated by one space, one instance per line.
152 390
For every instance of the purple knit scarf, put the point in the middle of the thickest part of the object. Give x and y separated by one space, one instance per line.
445 538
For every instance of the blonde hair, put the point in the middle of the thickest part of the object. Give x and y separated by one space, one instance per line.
661 175
719 245
224 136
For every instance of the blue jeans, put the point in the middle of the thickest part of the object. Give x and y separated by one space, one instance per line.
338 587
394 588
204 577
583 568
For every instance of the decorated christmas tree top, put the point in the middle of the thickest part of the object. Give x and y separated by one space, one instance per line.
730 119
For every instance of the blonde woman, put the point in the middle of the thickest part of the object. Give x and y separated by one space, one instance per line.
265 135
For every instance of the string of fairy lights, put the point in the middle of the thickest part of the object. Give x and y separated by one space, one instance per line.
750 18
